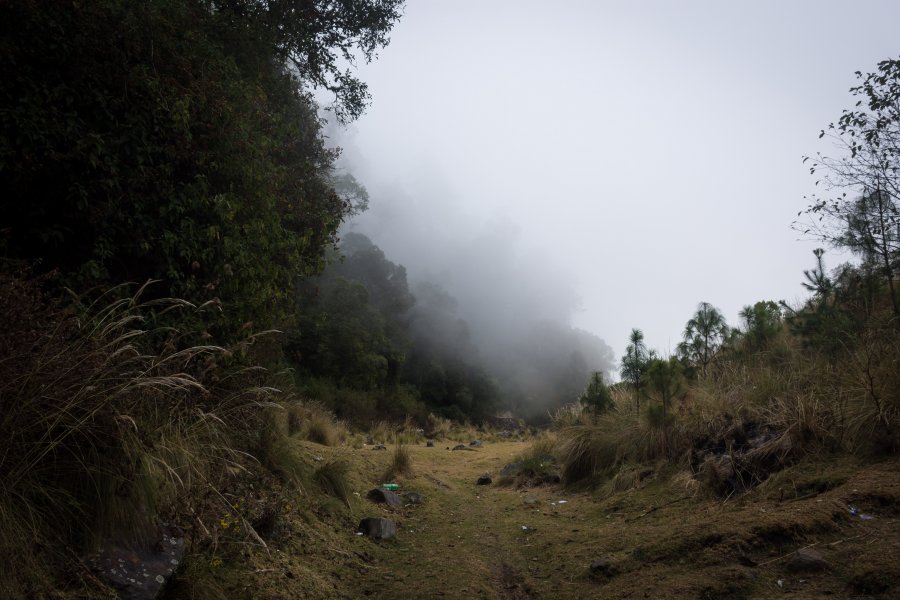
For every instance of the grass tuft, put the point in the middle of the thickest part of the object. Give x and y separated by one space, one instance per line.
333 478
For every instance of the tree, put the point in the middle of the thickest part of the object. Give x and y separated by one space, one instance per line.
176 140
704 334
634 364
315 37
596 397
665 381
760 324
867 219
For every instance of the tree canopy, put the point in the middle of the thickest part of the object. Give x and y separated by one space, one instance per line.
177 140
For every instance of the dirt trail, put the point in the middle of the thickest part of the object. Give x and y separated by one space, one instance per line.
470 541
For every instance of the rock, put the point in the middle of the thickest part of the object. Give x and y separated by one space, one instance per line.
484 479
603 567
140 572
429 443
413 498
460 447
370 440
529 501
511 469
378 528
807 560
382 496
379 447
475 443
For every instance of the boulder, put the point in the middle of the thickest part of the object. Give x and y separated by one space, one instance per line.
484 479
429 443
460 447
378 528
379 447
807 560
475 443
382 496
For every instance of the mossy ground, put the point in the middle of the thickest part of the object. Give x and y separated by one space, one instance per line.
663 539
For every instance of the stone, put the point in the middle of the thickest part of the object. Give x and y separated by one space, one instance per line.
484 479
475 443
379 447
139 572
807 560
529 501
413 498
603 567
429 443
461 447
511 469
378 528
382 496
370 440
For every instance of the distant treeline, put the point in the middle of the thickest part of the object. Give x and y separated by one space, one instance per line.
370 347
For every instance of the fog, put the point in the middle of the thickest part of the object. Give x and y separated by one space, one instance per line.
604 165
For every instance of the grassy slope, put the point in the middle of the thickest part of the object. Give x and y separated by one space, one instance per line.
468 541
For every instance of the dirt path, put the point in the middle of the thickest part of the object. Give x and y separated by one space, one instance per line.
470 541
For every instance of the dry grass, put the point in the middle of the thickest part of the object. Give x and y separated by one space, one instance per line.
102 425
332 478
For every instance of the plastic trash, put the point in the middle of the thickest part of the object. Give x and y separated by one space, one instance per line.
855 512
390 486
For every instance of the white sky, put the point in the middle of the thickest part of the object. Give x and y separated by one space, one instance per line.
649 151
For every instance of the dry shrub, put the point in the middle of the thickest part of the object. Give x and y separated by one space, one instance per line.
382 431
103 424
437 427
401 463
333 478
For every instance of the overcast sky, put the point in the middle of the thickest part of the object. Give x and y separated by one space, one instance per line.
646 154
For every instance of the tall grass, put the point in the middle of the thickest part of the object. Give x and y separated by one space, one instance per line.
105 420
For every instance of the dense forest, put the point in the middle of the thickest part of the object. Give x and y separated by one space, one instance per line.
179 297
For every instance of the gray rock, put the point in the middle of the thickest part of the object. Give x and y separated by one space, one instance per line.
413 497
475 443
140 572
529 501
378 528
807 560
511 469
484 479
461 447
429 443
382 496
370 440
379 447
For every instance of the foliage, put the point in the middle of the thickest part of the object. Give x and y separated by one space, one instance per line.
596 397
634 364
665 382
868 220
359 327
168 140
102 427
761 322
316 37
704 334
